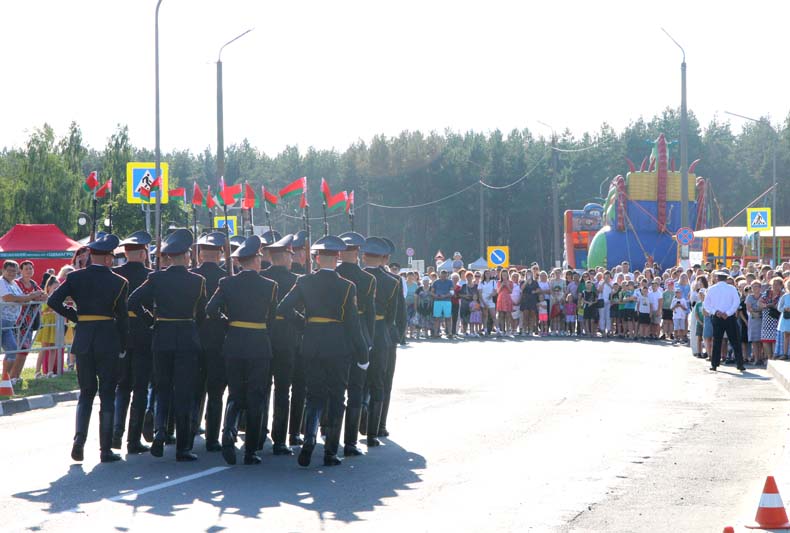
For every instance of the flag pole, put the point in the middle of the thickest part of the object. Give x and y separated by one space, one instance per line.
194 232
326 224
228 260
267 213
109 215
351 217
307 260
95 202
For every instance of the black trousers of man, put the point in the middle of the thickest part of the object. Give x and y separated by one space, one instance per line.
730 326
96 372
298 392
326 379
215 384
134 378
246 392
282 373
175 373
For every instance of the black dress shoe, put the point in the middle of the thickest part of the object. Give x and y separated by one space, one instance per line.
383 432
252 459
305 454
713 368
229 454
332 460
185 456
373 441
78 452
281 449
109 457
213 447
350 450
158 448
136 447
295 440
742 368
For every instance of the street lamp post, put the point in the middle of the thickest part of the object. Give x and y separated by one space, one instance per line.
684 147
555 194
776 256
157 150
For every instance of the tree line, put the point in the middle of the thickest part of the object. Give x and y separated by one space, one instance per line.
41 182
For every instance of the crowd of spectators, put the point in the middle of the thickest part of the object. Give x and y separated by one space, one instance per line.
648 305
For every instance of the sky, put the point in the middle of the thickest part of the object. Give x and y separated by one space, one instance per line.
327 74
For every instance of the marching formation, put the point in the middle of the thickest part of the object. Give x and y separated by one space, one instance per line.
162 347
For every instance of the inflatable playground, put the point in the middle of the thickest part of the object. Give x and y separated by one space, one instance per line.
640 217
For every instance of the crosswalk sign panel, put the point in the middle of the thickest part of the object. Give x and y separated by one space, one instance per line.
758 219
498 256
140 176
219 222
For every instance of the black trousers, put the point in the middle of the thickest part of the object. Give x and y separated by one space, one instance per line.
377 372
216 380
134 378
282 370
175 373
298 387
247 386
356 386
96 372
730 326
327 379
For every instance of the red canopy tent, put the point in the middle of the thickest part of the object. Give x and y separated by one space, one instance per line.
44 244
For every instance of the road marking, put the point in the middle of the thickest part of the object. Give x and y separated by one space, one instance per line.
159 486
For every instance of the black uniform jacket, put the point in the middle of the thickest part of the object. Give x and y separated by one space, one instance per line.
366 297
330 311
212 332
136 273
173 300
100 296
398 327
284 336
387 290
248 302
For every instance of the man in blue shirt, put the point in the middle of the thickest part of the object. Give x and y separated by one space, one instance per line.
442 290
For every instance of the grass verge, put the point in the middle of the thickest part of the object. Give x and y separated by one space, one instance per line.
30 386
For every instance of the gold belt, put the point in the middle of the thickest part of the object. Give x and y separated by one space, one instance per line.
322 320
247 325
92 318
279 317
132 314
380 317
160 319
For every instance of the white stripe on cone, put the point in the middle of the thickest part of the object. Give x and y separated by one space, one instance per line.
771 501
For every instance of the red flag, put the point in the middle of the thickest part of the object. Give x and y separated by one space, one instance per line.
229 194
296 187
197 196
102 191
269 197
211 203
250 200
325 191
337 201
91 182
350 202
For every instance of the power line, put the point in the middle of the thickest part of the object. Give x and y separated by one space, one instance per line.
456 193
522 178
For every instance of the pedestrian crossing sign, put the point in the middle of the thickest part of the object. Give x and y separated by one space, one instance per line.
219 222
758 219
140 176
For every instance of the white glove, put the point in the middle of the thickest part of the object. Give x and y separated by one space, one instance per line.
363 367
122 355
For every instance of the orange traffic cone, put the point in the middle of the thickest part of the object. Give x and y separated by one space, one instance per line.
771 512
6 389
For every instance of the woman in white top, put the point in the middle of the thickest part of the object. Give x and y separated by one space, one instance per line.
487 290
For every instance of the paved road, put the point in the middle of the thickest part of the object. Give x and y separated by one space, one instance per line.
538 435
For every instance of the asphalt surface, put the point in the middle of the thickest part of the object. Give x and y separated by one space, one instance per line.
536 435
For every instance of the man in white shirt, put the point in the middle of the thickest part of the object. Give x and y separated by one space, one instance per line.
721 303
11 296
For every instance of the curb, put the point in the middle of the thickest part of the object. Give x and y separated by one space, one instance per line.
780 370
20 405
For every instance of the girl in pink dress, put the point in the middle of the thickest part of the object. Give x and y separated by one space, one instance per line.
504 304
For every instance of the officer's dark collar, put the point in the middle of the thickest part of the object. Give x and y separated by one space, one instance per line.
176 267
95 266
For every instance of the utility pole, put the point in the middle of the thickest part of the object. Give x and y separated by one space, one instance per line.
482 220
555 200
684 146
158 151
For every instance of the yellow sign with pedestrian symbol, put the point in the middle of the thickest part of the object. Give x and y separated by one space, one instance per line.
219 222
140 183
498 256
758 219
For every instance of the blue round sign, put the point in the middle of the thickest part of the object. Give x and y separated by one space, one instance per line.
685 236
498 257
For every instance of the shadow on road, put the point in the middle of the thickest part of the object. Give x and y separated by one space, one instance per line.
337 493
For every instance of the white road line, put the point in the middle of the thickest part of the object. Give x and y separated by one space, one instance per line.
129 495
159 486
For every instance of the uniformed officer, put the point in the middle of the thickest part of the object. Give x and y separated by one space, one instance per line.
235 242
211 377
99 339
268 237
135 369
298 245
397 332
285 342
173 300
332 340
365 284
374 252
248 301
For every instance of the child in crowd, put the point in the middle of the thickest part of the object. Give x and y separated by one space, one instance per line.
666 310
475 315
556 311
570 314
543 317
679 307
628 310
643 312
614 310
47 362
